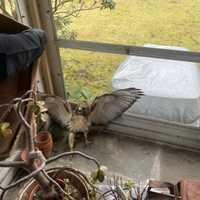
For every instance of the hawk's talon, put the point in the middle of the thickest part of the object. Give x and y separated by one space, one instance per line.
71 140
87 142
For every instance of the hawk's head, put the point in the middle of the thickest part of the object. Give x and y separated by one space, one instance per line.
83 109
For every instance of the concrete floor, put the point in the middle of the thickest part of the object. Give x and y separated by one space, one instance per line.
136 159
132 158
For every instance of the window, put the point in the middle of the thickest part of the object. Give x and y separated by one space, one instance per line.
88 71
132 22
171 23
8 7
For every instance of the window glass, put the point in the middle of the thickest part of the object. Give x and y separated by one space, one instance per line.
133 22
8 7
171 88
88 71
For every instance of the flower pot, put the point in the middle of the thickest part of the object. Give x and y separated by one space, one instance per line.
36 189
44 143
31 188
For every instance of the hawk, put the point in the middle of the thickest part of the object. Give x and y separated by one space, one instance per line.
82 117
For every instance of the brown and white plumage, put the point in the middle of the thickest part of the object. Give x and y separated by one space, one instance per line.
108 107
56 108
102 111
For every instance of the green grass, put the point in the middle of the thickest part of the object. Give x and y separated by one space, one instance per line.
133 22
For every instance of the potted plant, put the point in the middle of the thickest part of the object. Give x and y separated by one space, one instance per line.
8 128
44 143
43 138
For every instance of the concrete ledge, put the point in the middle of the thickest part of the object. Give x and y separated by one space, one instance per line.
157 131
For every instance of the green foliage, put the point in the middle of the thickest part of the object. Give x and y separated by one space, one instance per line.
89 70
129 184
80 93
64 30
65 11
5 130
39 196
38 108
108 4
98 175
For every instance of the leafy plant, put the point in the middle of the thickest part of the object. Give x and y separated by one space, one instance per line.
81 94
108 4
5 129
98 175
129 184
40 110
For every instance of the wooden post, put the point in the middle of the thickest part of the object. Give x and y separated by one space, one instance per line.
150 52
47 24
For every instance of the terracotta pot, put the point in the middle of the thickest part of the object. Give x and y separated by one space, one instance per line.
44 143
59 174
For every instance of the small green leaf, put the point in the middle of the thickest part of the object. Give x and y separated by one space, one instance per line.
98 175
108 4
43 117
35 108
129 184
4 125
5 129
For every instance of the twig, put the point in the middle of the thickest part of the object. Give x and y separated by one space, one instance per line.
17 99
5 113
61 3
19 112
12 163
107 193
76 11
57 185
32 174
71 154
27 93
26 124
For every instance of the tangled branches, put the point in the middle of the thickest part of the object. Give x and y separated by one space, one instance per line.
30 158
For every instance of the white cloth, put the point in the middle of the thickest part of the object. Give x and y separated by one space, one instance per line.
172 88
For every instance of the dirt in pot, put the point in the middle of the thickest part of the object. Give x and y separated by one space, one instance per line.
70 180
69 188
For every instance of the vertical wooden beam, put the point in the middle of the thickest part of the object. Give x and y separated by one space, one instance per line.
47 24
44 70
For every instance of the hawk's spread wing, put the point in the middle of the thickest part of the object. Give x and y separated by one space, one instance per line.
108 107
57 111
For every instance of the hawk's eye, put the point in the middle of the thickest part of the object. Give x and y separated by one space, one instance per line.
80 109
